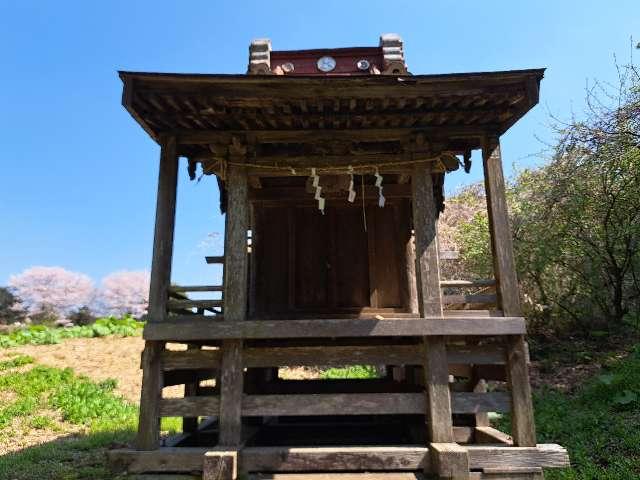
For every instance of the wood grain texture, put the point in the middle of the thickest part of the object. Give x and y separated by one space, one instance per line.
500 231
164 228
522 421
220 465
330 355
436 375
487 434
231 385
315 404
294 459
189 406
523 425
235 305
301 459
201 328
449 461
426 243
148 437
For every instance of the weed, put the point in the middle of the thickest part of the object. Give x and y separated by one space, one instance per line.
17 361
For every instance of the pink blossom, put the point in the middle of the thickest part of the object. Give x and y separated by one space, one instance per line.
52 288
125 292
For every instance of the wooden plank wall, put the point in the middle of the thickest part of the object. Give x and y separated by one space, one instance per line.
309 262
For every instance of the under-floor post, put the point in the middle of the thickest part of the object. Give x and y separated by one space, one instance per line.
148 437
523 426
235 305
440 427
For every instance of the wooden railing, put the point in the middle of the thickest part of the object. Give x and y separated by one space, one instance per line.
483 297
180 303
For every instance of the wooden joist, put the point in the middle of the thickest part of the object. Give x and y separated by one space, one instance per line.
200 327
214 259
467 283
182 304
387 458
328 355
197 288
489 298
334 404
304 459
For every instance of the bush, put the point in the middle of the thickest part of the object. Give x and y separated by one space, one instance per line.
82 316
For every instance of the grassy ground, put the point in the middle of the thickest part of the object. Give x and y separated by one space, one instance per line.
77 419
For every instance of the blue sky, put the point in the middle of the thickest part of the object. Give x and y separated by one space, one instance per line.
78 176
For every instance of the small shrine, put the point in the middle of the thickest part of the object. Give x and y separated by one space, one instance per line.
331 166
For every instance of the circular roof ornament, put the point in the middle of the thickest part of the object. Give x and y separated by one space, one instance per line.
326 64
288 67
363 64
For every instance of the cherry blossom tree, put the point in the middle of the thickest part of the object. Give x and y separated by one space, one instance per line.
52 289
125 292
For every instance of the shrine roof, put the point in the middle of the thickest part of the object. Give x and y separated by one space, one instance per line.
206 111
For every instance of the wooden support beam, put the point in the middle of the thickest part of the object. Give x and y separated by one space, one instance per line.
359 458
235 304
523 425
284 459
164 228
329 355
182 304
196 288
314 404
467 283
190 424
487 434
197 327
501 242
148 436
438 411
220 465
449 461
462 299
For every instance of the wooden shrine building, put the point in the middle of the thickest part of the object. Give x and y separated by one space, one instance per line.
331 165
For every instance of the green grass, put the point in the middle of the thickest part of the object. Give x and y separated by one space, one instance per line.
599 424
17 361
44 335
352 371
104 418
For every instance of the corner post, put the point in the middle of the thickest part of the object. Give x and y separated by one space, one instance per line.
523 426
440 426
235 304
148 437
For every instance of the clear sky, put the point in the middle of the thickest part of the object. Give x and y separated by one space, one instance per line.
78 175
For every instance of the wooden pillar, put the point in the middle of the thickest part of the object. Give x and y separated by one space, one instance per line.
235 305
163 237
149 423
523 426
438 413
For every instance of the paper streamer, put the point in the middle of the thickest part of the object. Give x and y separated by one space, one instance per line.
378 184
352 191
316 185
